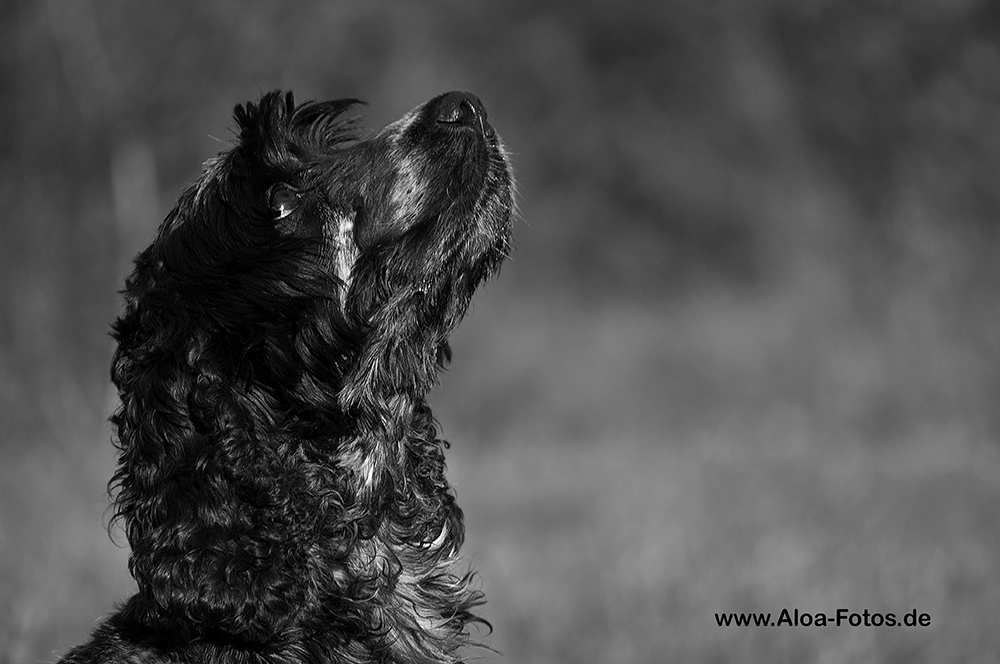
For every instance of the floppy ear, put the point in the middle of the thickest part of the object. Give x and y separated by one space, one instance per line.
201 499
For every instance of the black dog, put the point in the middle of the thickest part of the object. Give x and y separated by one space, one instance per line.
281 481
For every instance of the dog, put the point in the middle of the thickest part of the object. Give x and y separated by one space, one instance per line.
281 480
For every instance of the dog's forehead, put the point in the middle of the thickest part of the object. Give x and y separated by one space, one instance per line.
407 120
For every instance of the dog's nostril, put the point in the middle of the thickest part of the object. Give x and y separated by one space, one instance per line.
461 109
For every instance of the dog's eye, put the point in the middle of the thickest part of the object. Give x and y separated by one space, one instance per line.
282 200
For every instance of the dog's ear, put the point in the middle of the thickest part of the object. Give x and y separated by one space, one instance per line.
199 500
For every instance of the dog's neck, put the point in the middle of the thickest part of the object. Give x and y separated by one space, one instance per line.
385 391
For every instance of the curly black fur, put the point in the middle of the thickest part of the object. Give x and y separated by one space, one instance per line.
281 482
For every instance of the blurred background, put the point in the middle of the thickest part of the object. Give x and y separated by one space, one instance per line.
744 359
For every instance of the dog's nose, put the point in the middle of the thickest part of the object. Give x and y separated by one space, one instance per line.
461 109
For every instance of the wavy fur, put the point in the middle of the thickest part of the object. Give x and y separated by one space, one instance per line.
281 480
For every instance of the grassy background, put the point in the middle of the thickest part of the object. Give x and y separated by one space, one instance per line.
745 357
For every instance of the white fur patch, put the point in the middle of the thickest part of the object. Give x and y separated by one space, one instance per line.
347 252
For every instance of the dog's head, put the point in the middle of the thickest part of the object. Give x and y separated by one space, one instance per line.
278 334
364 253
422 208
